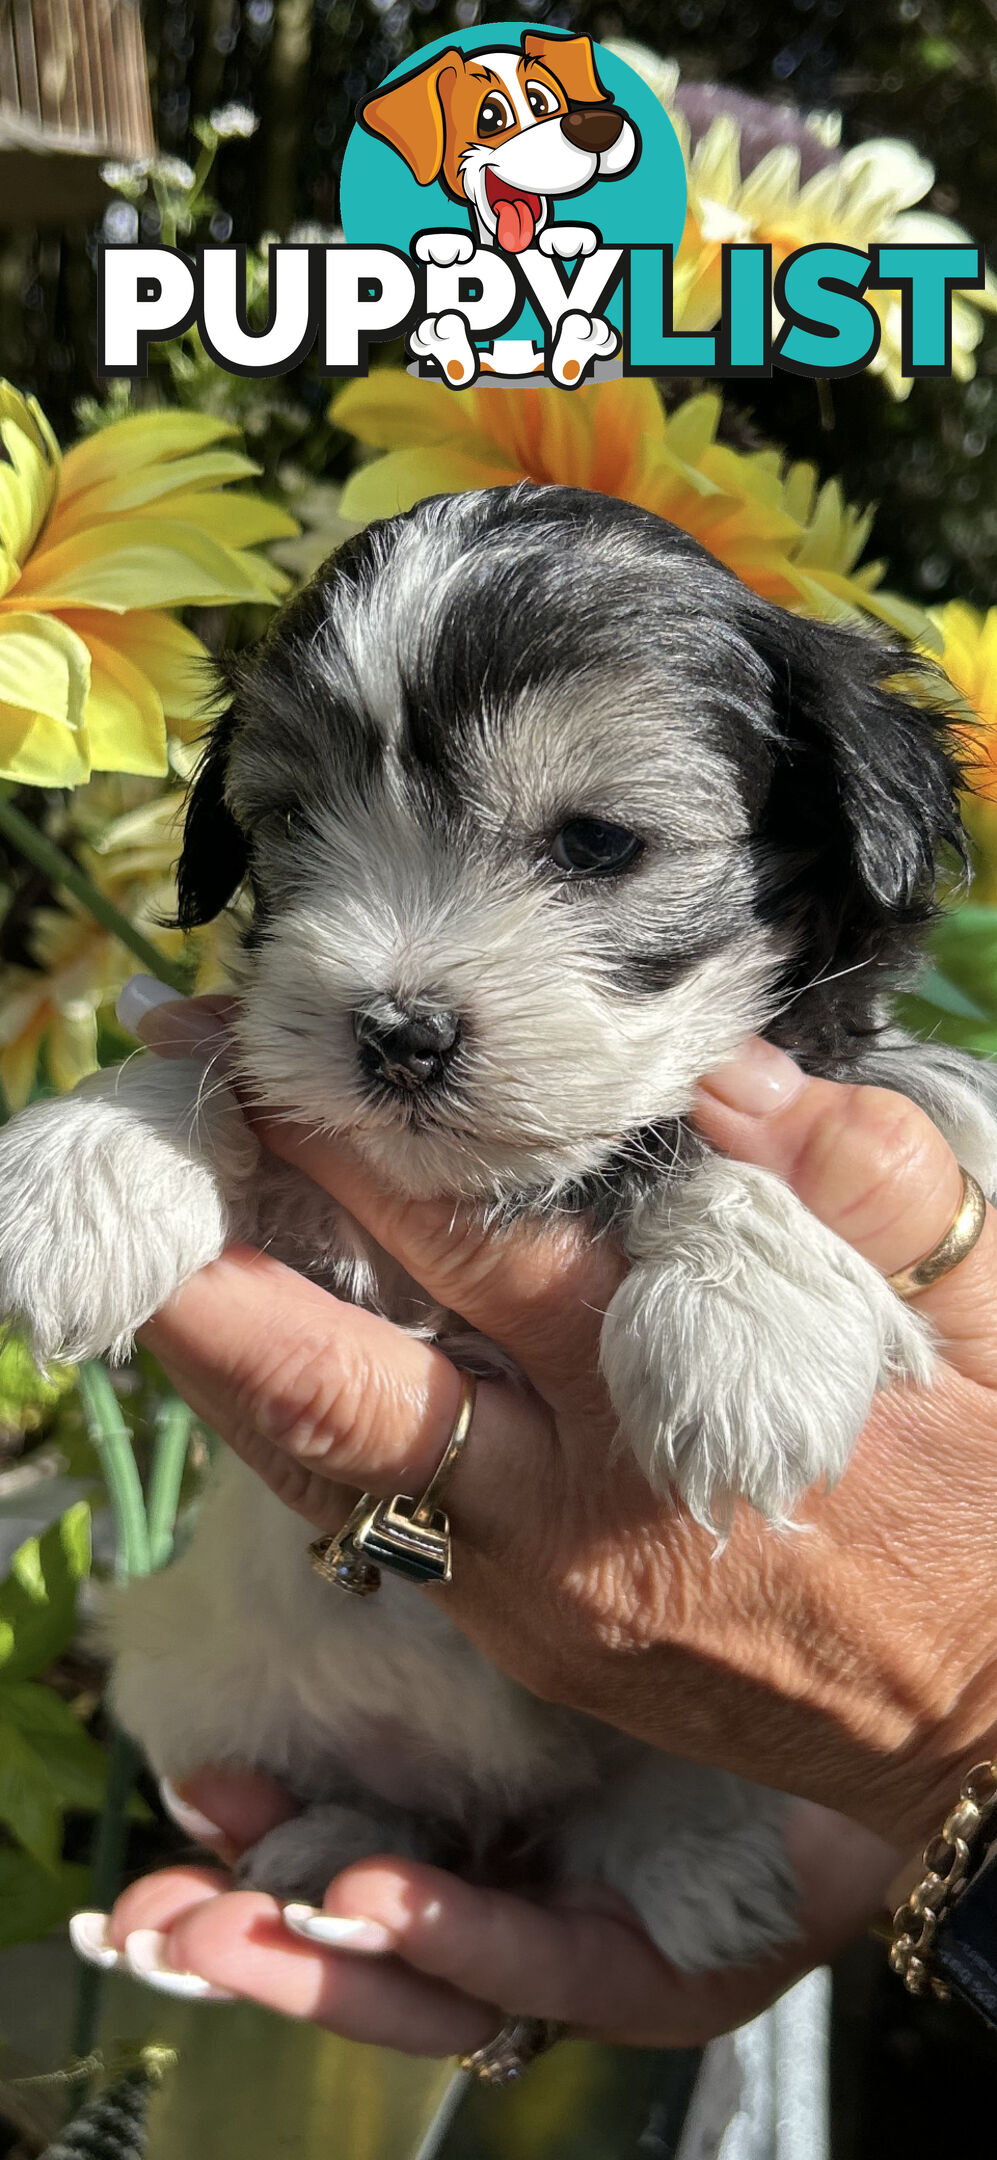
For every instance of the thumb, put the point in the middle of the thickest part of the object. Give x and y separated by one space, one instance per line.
869 1164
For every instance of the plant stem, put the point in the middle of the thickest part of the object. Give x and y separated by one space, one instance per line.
108 1866
60 867
110 1436
169 1455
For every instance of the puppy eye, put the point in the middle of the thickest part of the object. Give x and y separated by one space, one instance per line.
495 116
540 100
589 847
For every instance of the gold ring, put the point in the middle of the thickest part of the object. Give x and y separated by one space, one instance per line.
959 1239
409 1537
516 2045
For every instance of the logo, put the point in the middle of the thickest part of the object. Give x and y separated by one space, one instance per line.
512 204
516 166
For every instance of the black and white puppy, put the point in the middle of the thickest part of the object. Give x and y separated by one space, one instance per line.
541 812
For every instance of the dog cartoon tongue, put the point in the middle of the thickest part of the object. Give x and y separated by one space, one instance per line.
517 212
516 224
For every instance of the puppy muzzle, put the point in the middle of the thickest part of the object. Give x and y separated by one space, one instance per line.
407 1047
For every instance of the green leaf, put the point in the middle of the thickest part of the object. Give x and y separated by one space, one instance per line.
954 998
933 1024
964 949
76 1764
29 1800
27 1395
38 1597
939 990
34 1899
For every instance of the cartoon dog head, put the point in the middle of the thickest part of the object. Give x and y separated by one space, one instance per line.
505 131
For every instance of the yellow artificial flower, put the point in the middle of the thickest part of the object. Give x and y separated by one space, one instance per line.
969 657
95 548
52 1007
865 195
789 538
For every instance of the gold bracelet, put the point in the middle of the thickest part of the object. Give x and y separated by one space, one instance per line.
948 1861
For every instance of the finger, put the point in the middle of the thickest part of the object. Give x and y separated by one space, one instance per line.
869 1164
539 1290
156 1901
583 1958
314 1394
588 1968
239 1942
228 1810
574 1959
172 1025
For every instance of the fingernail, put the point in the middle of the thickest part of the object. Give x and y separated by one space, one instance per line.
367 1936
143 1953
140 995
190 1819
758 1082
88 1935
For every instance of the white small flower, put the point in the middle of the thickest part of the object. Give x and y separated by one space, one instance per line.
116 174
232 122
310 235
173 172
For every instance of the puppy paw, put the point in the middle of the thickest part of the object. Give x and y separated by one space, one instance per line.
745 1347
699 1855
299 1859
566 242
444 338
110 1198
443 249
581 341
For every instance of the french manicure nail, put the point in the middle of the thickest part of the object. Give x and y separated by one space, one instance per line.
760 1081
144 1958
334 1933
140 995
88 1935
188 1818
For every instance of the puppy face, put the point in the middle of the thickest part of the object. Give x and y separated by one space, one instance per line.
512 784
504 131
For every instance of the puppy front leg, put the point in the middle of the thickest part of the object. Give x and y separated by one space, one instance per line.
743 1350
111 1197
698 1853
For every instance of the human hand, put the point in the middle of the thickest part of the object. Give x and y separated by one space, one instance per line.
566 1569
416 1959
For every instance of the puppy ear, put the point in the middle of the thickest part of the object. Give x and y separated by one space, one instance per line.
863 802
571 61
215 856
409 115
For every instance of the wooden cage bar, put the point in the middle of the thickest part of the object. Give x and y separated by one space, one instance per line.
74 91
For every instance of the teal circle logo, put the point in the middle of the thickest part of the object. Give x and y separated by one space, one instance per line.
504 131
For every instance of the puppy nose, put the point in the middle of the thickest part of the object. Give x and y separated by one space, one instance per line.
408 1046
593 127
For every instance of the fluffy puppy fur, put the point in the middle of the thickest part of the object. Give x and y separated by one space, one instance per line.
540 812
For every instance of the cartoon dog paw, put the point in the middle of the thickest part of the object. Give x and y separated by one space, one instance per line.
568 241
444 338
444 248
581 341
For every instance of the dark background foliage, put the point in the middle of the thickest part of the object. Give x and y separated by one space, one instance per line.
903 67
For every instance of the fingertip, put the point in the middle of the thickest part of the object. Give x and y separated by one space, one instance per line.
759 1082
238 1805
158 1901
